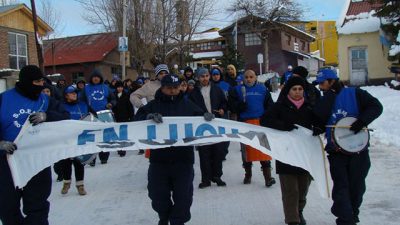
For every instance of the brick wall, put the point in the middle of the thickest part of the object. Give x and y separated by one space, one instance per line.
4 48
4 62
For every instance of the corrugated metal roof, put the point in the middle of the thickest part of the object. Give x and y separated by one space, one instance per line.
79 49
356 8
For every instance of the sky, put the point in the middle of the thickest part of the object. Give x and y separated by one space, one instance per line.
73 24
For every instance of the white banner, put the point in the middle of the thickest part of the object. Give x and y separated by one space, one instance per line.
42 145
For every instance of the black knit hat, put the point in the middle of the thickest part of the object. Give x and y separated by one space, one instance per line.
301 71
30 73
293 81
119 84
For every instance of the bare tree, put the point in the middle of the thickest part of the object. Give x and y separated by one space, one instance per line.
198 11
152 25
265 16
53 17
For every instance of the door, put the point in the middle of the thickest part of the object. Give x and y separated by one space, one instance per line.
358 66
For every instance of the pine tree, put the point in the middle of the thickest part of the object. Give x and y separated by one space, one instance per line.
389 13
232 56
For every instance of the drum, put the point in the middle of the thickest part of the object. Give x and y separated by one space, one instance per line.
346 140
90 117
106 116
86 159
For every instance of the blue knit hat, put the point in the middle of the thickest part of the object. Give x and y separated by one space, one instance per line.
161 67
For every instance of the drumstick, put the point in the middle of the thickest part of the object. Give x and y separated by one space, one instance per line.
325 167
348 127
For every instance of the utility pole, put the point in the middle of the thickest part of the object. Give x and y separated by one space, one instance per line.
38 46
123 53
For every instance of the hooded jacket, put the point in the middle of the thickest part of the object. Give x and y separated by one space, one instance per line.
97 96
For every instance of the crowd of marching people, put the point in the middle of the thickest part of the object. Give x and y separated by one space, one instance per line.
211 93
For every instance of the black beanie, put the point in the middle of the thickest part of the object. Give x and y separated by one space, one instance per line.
119 84
301 71
30 73
293 81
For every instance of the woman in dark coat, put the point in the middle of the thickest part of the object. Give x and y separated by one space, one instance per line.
285 113
123 110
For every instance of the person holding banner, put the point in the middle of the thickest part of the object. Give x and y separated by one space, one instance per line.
211 99
98 97
295 181
17 105
78 110
171 169
250 100
348 169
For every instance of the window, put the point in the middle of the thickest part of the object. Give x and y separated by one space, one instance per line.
251 39
18 50
288 39
77 76
116 72
303 45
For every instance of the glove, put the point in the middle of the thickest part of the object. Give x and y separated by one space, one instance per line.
242 106
37 117
317 131
156 117
208 116
357 126
290 127
8 147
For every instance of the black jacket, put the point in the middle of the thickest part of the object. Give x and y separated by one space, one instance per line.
170 106
218 100
123 110
282 114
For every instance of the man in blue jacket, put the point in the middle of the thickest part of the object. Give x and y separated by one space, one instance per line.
171 169
17 105
348 171
99 97
250 101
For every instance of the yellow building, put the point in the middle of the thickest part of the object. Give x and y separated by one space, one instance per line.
326 39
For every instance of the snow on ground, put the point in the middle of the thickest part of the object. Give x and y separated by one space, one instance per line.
117 191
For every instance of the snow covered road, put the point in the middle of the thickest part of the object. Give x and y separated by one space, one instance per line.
117 195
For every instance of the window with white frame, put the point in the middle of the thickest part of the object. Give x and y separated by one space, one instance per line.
251 39
18 50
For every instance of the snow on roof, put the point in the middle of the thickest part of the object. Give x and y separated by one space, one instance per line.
206 36
342 16
201 55
361 23
295 28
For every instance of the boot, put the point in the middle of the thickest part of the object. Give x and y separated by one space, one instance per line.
121 153
81 189
204 184
247 175
65 187
269 180
302 220
218 181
